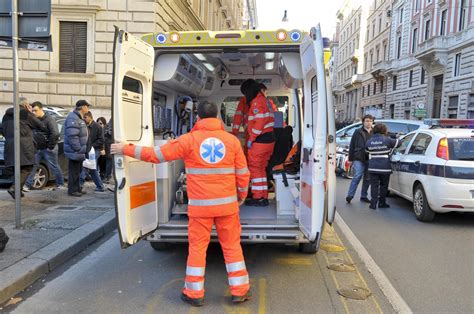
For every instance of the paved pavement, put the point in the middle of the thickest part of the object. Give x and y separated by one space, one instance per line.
142 280
55 227
431 265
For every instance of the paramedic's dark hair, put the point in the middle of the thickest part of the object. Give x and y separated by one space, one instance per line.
245 86
380 128
207 110
252 91
262 86
368 116
37 104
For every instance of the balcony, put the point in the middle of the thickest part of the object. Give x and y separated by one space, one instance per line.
379 70
433 54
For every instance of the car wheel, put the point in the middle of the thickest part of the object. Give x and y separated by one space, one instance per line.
350 173
41 178
160 246
421 208
309 248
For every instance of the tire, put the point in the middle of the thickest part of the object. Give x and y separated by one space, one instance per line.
309 248
160 246
421 208
41 178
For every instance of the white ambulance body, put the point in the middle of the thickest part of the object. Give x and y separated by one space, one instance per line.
158 79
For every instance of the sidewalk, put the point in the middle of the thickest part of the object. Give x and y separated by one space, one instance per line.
55 227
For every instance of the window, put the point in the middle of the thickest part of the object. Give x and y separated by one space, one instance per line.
462 15
381 86
392 111
400 17
470 107
417 5
367 35
378 54
443 23
414 43
453 107
423 73
394 128
368 90
365 62
404 144
399 47
73 47
410 79
457 64
363 91
373 30
380 24
461 148
385 51
394 82
420 144
375 88
427 29
133 108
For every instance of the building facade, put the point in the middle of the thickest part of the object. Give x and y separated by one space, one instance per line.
80 65
352 19
376 55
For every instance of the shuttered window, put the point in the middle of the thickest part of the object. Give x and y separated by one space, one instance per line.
73 47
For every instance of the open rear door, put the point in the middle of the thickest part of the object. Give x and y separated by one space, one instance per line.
314 147
331 142
135 194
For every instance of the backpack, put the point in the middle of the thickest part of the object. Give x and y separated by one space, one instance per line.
3 239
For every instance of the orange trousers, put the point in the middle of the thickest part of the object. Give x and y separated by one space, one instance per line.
228 231
257 159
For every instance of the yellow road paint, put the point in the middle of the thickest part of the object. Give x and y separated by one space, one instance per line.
262 296
344 302
294 261
332 248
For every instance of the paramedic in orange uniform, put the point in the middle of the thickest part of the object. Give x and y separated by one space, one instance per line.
242 111
260 143
217 182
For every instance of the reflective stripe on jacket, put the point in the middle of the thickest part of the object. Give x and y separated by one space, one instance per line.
379 148
240 116
217 173
261 118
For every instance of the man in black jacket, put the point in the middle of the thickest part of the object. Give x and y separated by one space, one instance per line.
47 145
28 122
95 142
358 157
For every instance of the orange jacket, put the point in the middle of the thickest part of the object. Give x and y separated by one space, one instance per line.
217 173
240 116
261 117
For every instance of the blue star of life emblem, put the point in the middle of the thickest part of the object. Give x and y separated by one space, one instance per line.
212 150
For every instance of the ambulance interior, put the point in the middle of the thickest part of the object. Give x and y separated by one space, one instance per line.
182 79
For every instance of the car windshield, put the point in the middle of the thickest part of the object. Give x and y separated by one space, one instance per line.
461 148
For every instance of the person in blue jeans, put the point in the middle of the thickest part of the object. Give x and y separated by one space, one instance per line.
358 157
95 141
47 147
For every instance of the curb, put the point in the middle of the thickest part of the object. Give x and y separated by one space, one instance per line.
26 271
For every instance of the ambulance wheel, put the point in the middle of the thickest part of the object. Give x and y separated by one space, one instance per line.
309 248
421 208
160 246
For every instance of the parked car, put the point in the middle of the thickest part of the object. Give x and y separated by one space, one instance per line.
344 135
56 111
434 169
43 173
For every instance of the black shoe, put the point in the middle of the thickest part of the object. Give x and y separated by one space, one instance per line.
373 206
240 299
12 193
384 205
263 202
348 199
77 194
364 199
251 202
194 302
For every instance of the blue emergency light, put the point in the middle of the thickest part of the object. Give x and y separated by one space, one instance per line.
161 38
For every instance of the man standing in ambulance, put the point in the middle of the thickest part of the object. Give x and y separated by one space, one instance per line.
242 111
260 143
217 182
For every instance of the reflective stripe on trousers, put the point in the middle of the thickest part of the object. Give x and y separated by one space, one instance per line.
213 202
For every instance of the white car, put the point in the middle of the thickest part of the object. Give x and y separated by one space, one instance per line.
434 169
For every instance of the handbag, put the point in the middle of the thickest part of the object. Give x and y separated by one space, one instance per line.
90 162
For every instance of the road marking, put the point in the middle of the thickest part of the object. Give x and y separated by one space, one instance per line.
294 261
385 285
344 302
262 296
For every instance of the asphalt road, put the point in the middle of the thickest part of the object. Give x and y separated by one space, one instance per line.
106 279
431 265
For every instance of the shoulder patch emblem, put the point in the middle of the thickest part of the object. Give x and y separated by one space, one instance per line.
255 111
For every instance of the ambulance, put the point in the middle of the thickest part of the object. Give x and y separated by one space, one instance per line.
159 80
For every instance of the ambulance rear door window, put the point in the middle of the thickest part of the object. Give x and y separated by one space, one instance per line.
132 108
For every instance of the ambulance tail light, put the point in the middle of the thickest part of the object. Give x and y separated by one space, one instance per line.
281 36
442 151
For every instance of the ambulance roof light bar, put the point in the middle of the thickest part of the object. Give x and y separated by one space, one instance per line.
439 123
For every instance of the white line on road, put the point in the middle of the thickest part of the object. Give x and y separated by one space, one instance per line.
385 285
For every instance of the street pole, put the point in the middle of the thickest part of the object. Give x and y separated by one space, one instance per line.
16 116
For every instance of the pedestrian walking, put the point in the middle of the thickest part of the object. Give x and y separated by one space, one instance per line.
28 123
102 161
358 157
47 147
217 182
95 142
108 140
75 145
379 147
